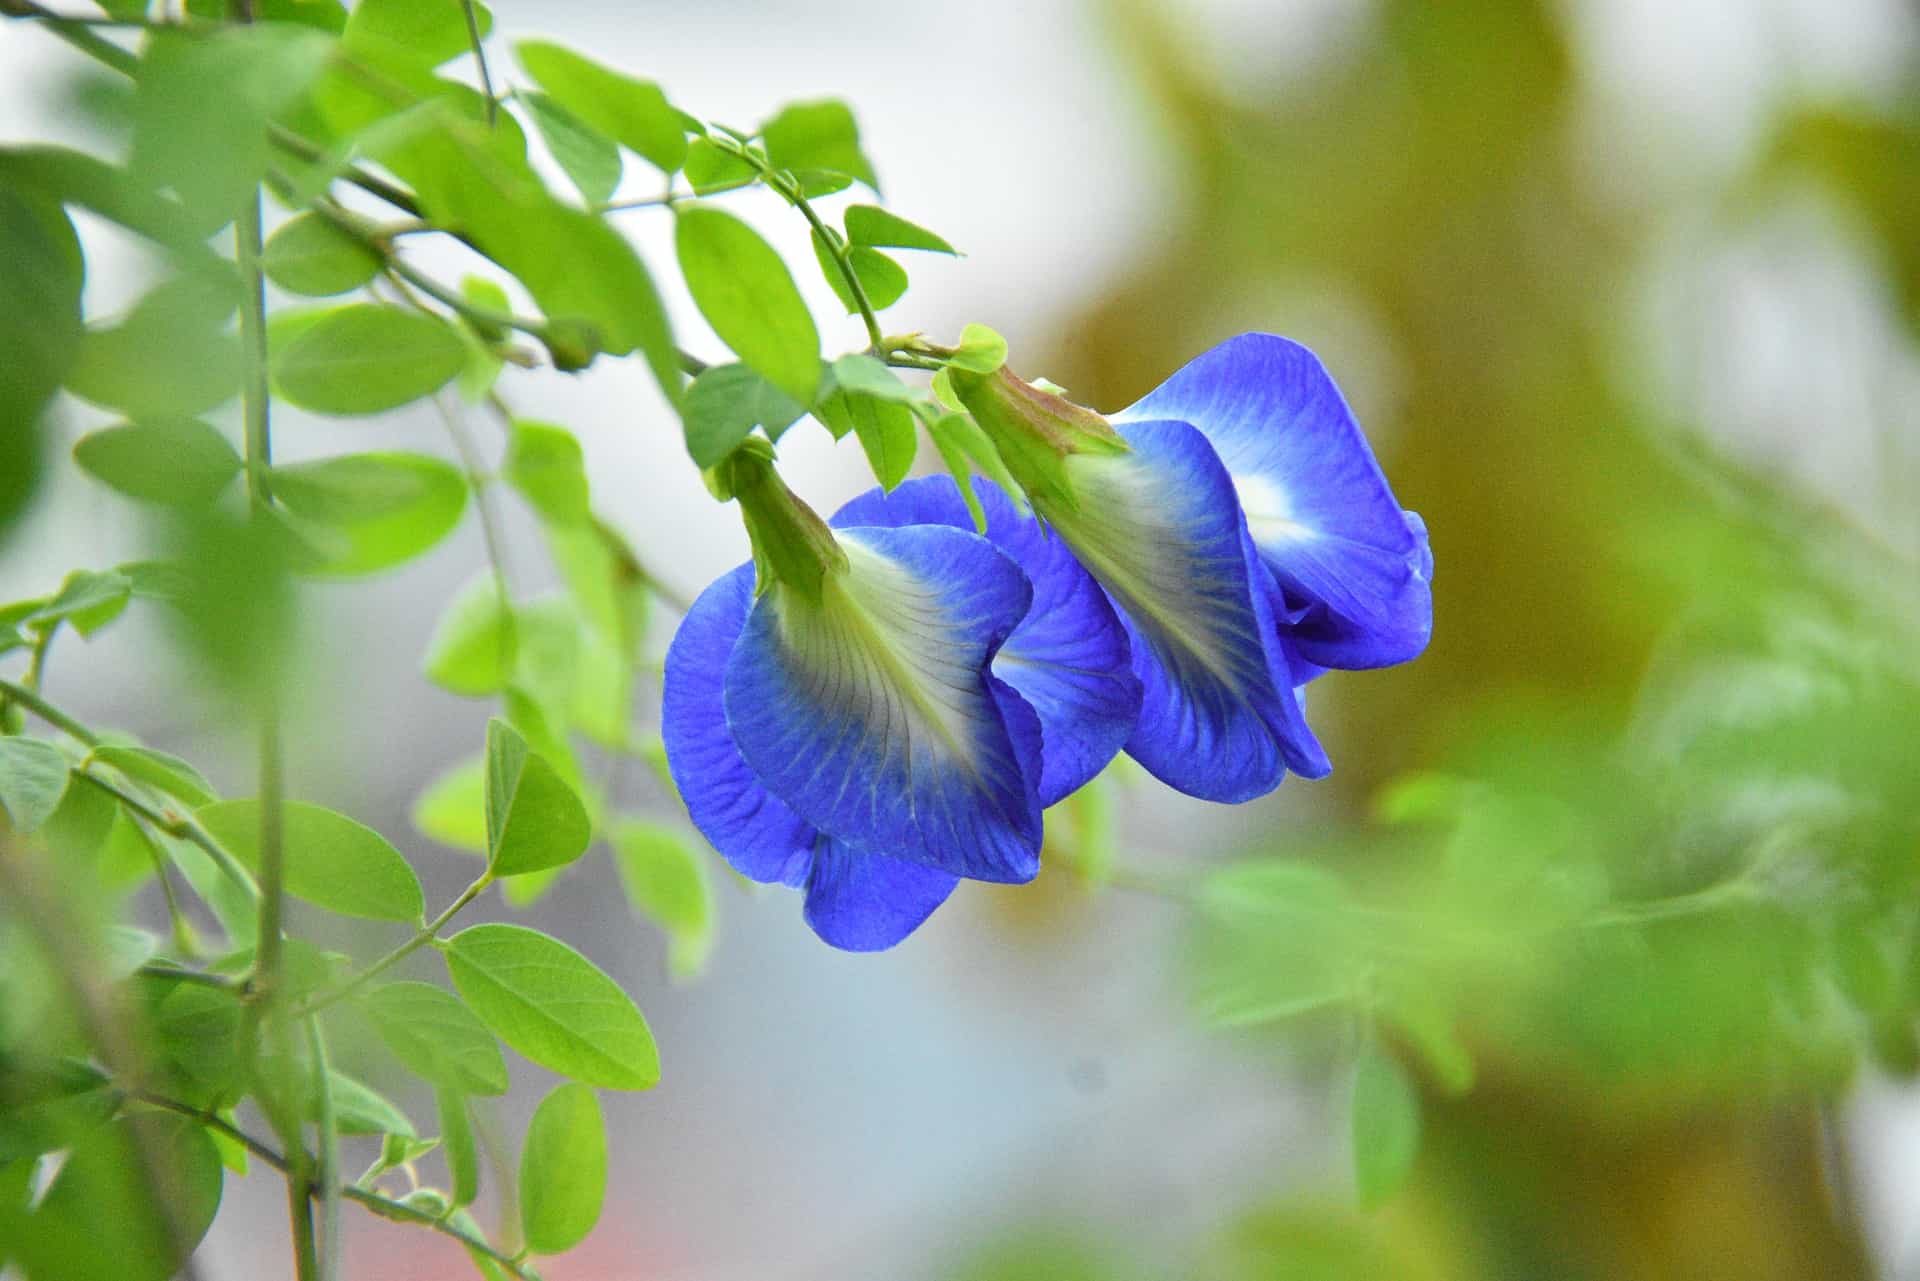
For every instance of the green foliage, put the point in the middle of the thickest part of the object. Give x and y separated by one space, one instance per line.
453 809
65 1236
370 512
590 158
666 880
1385 1115
723 406
164 461
872 225
332 861
546 465
563 1170
311 256
634 113
33 777
162 771
456 1134
535 821
820 137
365 358
551 1004
473 646
170 357
437 1038
746 293
41 273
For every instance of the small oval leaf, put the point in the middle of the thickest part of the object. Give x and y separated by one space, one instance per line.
381 509
535 820
437 1038
746 293
366 358
309 255
331 861
182 461
33 778
563 1170
553 1005
1386 1125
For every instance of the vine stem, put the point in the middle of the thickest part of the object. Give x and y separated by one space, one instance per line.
423 936
790 191
385 1207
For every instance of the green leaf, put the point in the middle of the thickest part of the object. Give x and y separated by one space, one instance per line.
211 147
453 809
632 112
359 1109
197 1028
881 278
817 136
456 1136
710 168
428 30
867 375
546 465
309 255
872 225
577 267
171 356
474 644
437 1038
588 157
981 350
365 358
165 461
563 1170
97 1219
385 508
33 778
86 600
744 290
665 876
159 770
1275 939
723 406
331 861
1386 1125
966 449
41 275
553 1005
887 434
535 821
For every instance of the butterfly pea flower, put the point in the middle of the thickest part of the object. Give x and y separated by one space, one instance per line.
1354 571
833 722
1152 513
1068 658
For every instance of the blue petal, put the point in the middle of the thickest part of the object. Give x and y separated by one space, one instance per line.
1161 531
865 902
1068 658
759 836
872 712
1354 568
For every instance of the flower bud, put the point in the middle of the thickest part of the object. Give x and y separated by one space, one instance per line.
791 544
1034 430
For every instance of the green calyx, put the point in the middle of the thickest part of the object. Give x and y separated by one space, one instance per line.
791 544
1034 430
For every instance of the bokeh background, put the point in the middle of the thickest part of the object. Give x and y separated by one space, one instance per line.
1625 293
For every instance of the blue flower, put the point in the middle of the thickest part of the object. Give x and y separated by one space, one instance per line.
840 728
1237 583
1353 569
1068 658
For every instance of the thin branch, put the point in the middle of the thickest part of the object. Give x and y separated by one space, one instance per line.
480 60
423 936
385 1207
33 702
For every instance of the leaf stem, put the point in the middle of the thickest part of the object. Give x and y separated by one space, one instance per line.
327 1168
31 700
423 936
184 827
480 60
790 190
385 1207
